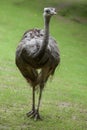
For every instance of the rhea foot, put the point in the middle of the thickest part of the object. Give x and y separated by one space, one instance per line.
31 113
34 114
37 116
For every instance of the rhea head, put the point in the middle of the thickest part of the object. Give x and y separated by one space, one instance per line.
49 11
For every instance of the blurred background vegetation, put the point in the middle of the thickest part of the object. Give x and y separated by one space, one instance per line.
76 9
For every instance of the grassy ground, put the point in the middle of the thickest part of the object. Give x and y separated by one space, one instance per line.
64 104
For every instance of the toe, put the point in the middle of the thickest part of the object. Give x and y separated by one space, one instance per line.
37 117
30 113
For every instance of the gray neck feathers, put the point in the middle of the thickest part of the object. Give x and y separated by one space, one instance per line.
46 30
46 36
45 39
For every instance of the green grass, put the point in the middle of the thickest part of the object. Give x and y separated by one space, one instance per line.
64 102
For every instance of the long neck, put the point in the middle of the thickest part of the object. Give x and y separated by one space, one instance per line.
46 31
45 39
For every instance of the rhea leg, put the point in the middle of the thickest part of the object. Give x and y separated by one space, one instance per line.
31 113
43 78
33 81
37 115
34 113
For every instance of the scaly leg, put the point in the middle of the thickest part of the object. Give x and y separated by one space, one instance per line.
37 116
32 112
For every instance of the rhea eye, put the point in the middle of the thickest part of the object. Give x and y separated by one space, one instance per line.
47 11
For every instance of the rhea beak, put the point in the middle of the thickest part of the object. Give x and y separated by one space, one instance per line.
54 12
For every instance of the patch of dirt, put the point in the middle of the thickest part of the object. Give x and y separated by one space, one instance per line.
74 117
4 127
64 104
79 19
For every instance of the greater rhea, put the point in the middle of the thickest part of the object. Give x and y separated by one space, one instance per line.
38 50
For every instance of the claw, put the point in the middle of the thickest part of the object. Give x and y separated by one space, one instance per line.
34 114
37 116
31 113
